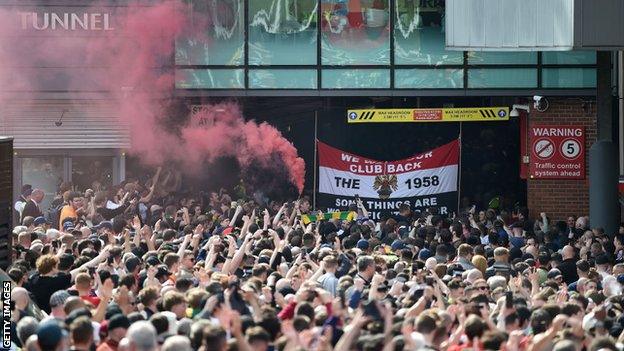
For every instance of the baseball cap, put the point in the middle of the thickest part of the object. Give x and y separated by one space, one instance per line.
397 245
553 273
424 254
59 298
118 321
68 225
40 220
362 244
602 259
50 334
104 224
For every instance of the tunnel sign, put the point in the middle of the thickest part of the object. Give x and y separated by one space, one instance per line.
420 115
557 152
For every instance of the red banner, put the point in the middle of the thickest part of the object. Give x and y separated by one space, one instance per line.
557 152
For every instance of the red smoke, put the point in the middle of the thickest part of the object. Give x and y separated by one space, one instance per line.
132 65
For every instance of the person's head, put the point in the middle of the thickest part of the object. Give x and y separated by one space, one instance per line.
47 264
172 262
51 336
426 324
331 263
118 326
74 199
142 336
258 338
83 282
188 260
148 296
480 263
26 327
214 338
24 238
568 252
175 302
37 195
465 251
81 332
176 343
501 254
366 266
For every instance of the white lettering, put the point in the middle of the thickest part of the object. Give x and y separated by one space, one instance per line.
96 20
84 23
67 21
562 132
64 22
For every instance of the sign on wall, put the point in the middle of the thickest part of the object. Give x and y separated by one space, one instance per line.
468 114
557 152
423 181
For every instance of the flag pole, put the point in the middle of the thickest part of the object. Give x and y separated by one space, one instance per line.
315 159
459 168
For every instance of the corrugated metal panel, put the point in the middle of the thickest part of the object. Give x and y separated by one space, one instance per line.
85 125
516 25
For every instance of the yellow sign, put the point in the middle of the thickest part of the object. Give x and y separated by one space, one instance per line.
478 114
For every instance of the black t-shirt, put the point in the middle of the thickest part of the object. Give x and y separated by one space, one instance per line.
42 287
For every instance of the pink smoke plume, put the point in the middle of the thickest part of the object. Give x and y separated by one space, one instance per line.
133 61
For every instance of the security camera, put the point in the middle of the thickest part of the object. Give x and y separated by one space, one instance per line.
515 110
540 103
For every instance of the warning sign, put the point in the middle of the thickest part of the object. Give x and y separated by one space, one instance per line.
479 114
557 152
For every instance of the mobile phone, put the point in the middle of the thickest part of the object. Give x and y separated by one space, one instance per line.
508 299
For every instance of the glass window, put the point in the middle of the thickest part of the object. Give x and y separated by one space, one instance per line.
419 34
210 78
355 32
282 79
356 79
282 32
501 58
92 172
45 173
215 36
569 57
569 78
502 78
451 78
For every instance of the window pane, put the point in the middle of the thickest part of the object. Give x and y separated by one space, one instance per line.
451 78
419 34
502 78
356 78
569 78
569 57
282 32
216 35
501 58
282 79
210 78
45 173
92 172
355 32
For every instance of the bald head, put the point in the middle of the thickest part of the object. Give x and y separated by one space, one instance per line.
568 252
37 195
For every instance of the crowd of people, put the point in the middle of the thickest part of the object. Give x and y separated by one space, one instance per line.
140 267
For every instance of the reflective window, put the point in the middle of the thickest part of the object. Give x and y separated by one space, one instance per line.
282 32
419 34
216 35
356 79
501 58
451 78
569 57
502 78
355 32
210 78
45 173
282 79
569 78
92 172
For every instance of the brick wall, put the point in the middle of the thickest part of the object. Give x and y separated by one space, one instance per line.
561 198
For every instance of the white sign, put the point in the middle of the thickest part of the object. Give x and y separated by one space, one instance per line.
66 21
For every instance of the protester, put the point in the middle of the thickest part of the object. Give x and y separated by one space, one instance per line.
143 266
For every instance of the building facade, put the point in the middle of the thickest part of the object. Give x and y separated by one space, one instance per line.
289 61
